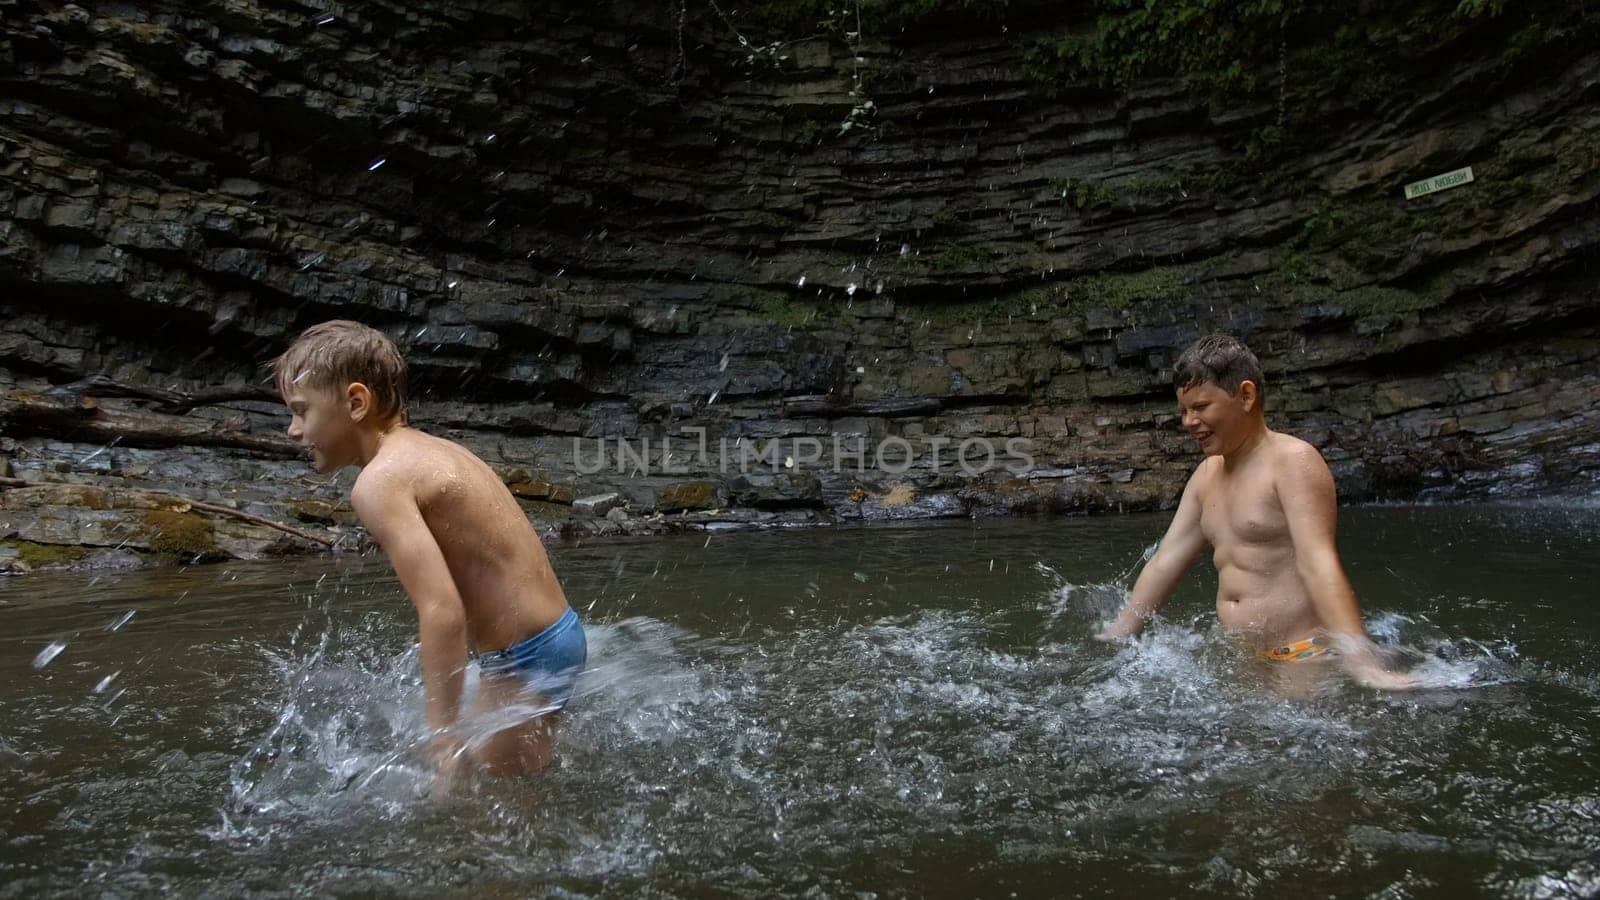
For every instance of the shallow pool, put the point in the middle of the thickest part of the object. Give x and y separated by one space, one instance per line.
888 711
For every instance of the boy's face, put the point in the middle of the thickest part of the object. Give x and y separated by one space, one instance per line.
320 419
1218 420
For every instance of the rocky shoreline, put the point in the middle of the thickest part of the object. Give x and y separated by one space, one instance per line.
609 223
87 507
82 506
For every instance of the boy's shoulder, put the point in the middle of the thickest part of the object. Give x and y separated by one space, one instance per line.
418 463
378 481
1199 483
1298 460
1289 448
396 465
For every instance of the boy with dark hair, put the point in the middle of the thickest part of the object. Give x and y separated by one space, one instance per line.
464 551
1265 502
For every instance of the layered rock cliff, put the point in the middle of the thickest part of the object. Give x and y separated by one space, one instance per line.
613 223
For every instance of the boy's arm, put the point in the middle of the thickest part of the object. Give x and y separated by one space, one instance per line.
389 510
1160 576
1310 503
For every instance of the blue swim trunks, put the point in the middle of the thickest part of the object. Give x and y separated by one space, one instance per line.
548 662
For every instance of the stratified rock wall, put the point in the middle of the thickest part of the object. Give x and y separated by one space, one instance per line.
592 221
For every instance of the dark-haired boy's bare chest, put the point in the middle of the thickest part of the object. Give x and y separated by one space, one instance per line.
1241 515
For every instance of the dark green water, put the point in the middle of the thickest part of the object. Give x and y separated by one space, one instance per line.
908 711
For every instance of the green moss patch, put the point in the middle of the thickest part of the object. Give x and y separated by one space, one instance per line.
177 532
36 555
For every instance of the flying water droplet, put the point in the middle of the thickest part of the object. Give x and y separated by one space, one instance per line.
101 450
373 166
121 620
723 367
801 282
50 652
100 687
851 290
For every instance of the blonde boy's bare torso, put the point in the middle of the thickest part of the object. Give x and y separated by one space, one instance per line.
1259 588
508 589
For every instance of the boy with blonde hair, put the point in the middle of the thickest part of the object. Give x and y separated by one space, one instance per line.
1265 502
465 553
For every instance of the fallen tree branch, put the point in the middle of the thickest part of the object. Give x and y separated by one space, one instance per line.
203 506
174 401
36 413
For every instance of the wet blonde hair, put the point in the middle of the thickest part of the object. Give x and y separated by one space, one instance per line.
335 353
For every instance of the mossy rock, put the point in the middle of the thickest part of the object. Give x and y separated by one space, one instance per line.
1083 193
782 310
946 257
545 511
37 555
687 495
186 533
531 489
324 512
1164 285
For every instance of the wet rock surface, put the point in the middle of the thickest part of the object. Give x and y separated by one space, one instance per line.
625 262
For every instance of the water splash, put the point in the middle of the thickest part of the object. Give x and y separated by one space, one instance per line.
349 734
50 652
1438 661
114 441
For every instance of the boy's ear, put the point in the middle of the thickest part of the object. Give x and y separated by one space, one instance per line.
358 399
1249 395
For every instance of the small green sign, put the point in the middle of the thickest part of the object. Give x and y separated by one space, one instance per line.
1438 183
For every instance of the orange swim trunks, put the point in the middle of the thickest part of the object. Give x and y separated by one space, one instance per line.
1309 648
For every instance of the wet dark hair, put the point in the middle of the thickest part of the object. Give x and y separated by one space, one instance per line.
1219 359
335 353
